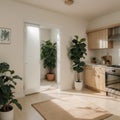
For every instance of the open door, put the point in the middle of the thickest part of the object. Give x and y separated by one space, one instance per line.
32 58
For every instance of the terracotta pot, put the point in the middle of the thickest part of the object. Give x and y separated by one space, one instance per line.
50 76
7 115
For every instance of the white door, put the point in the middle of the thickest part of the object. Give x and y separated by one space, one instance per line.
32 58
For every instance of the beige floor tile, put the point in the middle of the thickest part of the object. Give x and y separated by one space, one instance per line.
29 113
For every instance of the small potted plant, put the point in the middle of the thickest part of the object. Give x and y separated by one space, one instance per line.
77 54
48 55
93 60
7 84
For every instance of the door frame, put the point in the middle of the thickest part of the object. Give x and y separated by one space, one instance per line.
58 49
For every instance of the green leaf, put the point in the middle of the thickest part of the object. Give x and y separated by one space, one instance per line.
14 82
12 71
7 84
4 67
76 37
77 53
1 81
15 101
17 77
4 34
82 40
74 41
11 86
82 63
48 54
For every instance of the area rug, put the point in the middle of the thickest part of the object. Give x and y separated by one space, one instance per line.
70 108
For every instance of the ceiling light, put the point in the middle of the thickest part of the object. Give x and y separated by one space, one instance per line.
69 2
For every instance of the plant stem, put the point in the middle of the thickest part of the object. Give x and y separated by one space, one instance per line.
78 77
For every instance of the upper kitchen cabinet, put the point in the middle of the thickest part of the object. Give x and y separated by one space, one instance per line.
99 39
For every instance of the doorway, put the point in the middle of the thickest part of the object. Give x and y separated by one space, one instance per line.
35 80
53 35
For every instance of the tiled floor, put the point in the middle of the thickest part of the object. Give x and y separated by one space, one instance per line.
29 113
47 85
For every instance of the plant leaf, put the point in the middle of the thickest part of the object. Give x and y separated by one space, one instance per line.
17 77
15 101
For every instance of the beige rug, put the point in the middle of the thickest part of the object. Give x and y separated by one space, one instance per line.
70 108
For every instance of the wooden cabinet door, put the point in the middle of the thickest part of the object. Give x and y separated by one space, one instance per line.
92 40
89 76
95 77
99 40
100 78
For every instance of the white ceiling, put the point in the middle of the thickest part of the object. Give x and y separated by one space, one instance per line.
85 9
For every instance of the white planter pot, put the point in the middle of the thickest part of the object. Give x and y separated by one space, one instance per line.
78 85
7 115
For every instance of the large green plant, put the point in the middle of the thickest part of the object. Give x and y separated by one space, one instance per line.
48 55
77 54
7 84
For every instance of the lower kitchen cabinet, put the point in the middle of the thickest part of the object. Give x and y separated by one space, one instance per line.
95 77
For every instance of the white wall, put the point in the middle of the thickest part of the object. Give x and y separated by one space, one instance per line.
45 34
114 52
13 15
54 39
110 19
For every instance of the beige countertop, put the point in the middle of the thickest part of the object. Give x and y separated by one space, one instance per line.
93 64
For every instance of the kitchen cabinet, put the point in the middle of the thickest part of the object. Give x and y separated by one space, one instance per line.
99 39
95 77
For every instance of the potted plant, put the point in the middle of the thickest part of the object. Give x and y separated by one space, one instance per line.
93 60
77 54
48 55
7 84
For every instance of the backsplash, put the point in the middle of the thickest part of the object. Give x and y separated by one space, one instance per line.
114 52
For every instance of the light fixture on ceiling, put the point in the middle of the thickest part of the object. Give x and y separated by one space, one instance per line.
69 2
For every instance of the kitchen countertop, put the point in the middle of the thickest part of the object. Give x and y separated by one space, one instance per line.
93 64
